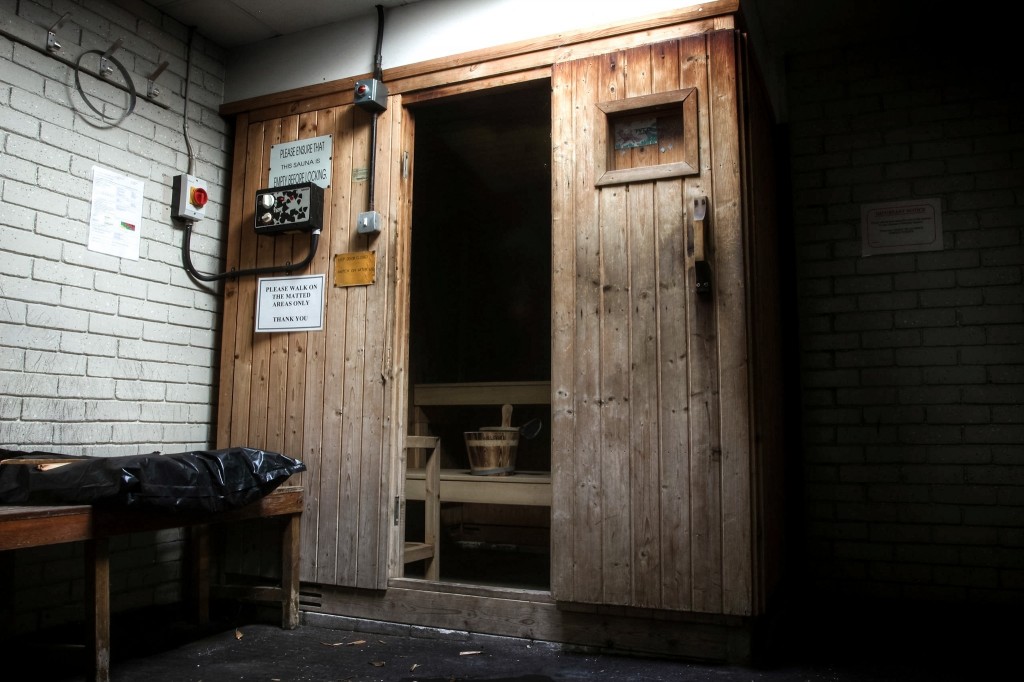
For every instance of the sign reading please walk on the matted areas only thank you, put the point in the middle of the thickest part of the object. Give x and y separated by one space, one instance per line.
290 304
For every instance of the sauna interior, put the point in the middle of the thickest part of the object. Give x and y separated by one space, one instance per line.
480 316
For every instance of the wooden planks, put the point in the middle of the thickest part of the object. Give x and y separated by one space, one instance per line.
644 331
483 393
726 207
563 317
653 497
321 395
531 488
394 369
534 615
704 498
672 303
659 492
376 355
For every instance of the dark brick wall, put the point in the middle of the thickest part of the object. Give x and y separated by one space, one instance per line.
912 364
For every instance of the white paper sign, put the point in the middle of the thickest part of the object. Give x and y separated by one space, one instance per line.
901 226
115 223
308 160
290 304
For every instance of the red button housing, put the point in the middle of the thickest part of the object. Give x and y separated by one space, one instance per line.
199 197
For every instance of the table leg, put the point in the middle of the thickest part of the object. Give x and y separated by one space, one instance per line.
97 606
199 571
290 538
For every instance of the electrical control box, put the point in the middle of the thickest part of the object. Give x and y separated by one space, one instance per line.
371 94
368 222
290 208
189 197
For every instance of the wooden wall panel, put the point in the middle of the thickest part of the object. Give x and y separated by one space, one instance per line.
395 417
611 288
563 322
374 358
319 396
324 429
270 409
652 465
702 352
675 577
727 206
644 423
583 390
329 122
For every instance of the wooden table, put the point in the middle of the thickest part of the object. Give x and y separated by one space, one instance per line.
35 526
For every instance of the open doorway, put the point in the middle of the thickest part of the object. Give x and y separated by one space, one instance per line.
480 315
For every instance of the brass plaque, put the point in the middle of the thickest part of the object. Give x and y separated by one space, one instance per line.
358 268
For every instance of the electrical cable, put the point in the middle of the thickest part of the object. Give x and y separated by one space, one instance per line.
186 258
378 73
186 239
188 84
132 94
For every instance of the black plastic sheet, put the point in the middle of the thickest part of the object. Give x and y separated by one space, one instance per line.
197 481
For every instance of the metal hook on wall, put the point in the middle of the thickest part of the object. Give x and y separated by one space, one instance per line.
152 90
105 68
52 44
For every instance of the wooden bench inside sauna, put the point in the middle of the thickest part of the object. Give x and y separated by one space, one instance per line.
507 508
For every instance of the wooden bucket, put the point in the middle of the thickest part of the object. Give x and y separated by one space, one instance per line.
492 451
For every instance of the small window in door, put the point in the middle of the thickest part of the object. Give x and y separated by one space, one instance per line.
651 137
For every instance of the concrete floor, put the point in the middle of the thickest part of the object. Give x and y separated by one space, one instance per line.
888 647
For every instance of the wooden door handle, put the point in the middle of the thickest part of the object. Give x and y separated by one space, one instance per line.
701 267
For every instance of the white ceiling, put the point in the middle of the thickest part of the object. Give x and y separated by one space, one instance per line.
786 25
234 23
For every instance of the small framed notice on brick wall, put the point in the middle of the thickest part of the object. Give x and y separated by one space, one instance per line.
901 226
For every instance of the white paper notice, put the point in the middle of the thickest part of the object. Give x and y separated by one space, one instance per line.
302 161
115 224
901 226
290 304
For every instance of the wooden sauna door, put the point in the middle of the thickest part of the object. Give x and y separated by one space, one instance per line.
651 497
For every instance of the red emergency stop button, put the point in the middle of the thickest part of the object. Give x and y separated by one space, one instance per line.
199 197
361 89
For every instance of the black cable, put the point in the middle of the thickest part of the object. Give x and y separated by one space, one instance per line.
184 116
378 72
129 84
186 258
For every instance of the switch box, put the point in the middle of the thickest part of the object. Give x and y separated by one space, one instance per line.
189 197
371 94
290 208
368 223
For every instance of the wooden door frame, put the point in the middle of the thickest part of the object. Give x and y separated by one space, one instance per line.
402 400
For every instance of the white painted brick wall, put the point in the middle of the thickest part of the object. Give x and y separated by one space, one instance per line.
102 355
77 303
912 364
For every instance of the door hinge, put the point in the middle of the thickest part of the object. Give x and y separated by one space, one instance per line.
398 508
